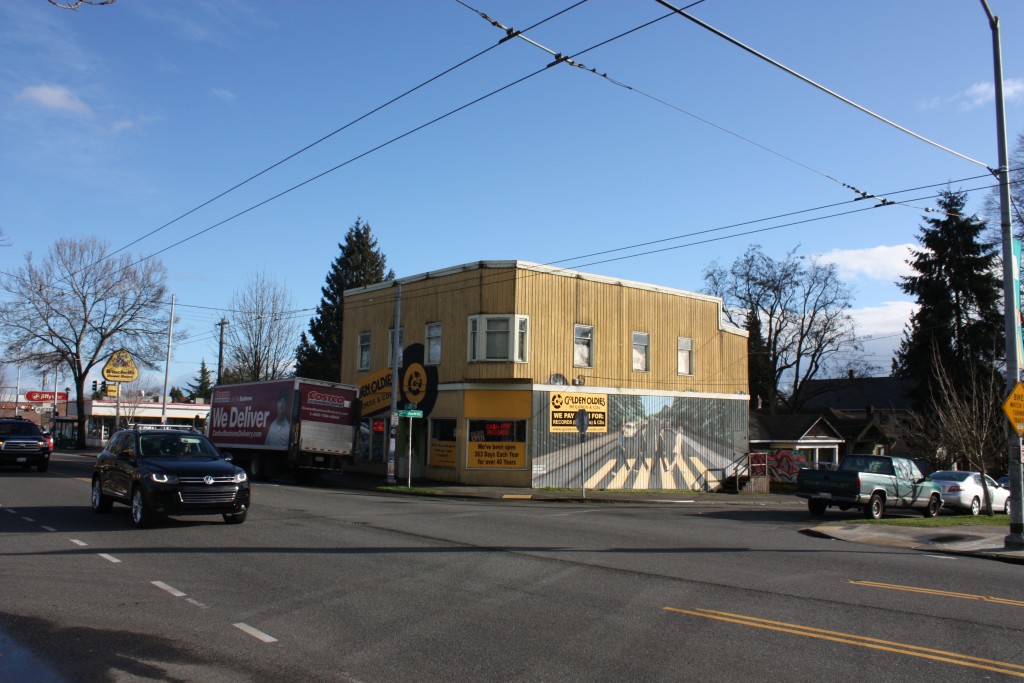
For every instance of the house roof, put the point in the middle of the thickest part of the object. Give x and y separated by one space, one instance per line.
790 427
859 393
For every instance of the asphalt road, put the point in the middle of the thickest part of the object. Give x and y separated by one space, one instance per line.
329 584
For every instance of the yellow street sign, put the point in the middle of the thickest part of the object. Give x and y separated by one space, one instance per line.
120 368
1014 408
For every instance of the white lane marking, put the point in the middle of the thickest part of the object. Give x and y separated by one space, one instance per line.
13 512
170 589
943 557
28 519
673 501
48 528
255 633
77 542
111 558
193 601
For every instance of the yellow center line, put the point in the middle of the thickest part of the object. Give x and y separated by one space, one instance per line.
860 641
932 591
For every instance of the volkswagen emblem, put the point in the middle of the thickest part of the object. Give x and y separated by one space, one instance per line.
207 480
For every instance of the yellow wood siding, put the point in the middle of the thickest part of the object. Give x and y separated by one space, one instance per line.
554 302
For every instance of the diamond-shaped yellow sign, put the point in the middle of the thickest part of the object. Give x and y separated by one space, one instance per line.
120 368
1014 408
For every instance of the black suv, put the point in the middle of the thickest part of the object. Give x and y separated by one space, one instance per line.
168 471
22 443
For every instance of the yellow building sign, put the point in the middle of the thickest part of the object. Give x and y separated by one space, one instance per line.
563 407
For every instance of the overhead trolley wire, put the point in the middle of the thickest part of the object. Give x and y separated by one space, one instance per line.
779 65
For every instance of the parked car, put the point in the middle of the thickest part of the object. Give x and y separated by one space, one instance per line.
962 490
22 444
1004 481
160 472
872 483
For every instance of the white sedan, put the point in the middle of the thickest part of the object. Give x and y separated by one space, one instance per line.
962 490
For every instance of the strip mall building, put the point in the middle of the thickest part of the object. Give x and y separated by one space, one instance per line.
501 357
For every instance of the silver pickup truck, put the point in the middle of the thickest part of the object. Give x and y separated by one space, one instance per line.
872 483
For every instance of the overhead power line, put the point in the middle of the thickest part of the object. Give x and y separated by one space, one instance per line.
681 12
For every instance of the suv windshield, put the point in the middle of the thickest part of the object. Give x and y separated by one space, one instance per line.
179 446
18 429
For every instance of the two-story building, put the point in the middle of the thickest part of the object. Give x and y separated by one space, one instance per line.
501 356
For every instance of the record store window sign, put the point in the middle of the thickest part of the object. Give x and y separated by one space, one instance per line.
497 444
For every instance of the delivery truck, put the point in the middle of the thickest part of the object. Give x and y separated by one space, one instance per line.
300 426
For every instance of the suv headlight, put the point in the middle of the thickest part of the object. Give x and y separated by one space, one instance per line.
163 478
240 476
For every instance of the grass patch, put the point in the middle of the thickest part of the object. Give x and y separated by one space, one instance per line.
940 521
418 490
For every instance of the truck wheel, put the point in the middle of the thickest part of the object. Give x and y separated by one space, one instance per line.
875 507
258 468
975 507
934 505
817 507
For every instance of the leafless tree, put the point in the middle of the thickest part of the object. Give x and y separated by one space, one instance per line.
802 307
134 395
964 425
263 332
75 4
77 307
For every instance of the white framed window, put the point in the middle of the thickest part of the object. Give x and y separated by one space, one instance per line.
641 351
499 338
364 350
583 346
684 355
391 345
433 337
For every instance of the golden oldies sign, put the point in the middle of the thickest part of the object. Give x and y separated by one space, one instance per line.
563 407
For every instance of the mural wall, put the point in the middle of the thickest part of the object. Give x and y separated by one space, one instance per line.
651 442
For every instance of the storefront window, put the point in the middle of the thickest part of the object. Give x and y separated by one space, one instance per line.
497 444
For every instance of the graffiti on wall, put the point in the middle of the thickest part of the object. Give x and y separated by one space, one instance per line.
783 466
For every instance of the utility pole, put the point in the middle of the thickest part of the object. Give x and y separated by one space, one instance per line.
396 354
220 351
1015 539
167 366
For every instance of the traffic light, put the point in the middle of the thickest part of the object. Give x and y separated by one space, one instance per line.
94 389
103 388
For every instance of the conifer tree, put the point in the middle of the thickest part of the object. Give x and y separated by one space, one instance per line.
203 386
759 369
958 322
359 264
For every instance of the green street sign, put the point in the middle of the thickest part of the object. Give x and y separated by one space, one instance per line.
410 413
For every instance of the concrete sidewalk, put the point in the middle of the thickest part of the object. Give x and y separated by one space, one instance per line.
978 541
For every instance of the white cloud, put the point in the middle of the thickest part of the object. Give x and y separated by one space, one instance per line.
885 320
54 97
223 94
981 94
884 263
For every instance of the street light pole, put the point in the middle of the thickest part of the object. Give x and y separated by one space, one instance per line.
1015 539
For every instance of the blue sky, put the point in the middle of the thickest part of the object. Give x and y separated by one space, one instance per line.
118 119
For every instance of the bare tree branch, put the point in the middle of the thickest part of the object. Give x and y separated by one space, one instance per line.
263 333
78 3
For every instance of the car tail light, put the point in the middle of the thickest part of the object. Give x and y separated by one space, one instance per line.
956 488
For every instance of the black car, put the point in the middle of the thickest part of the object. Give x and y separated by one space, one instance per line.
160 472
22 444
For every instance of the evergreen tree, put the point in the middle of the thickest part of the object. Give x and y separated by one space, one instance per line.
177 395
203 386
759 368
958 323
359 264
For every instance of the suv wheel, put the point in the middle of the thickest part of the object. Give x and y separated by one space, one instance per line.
236 518
142 515
100 502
